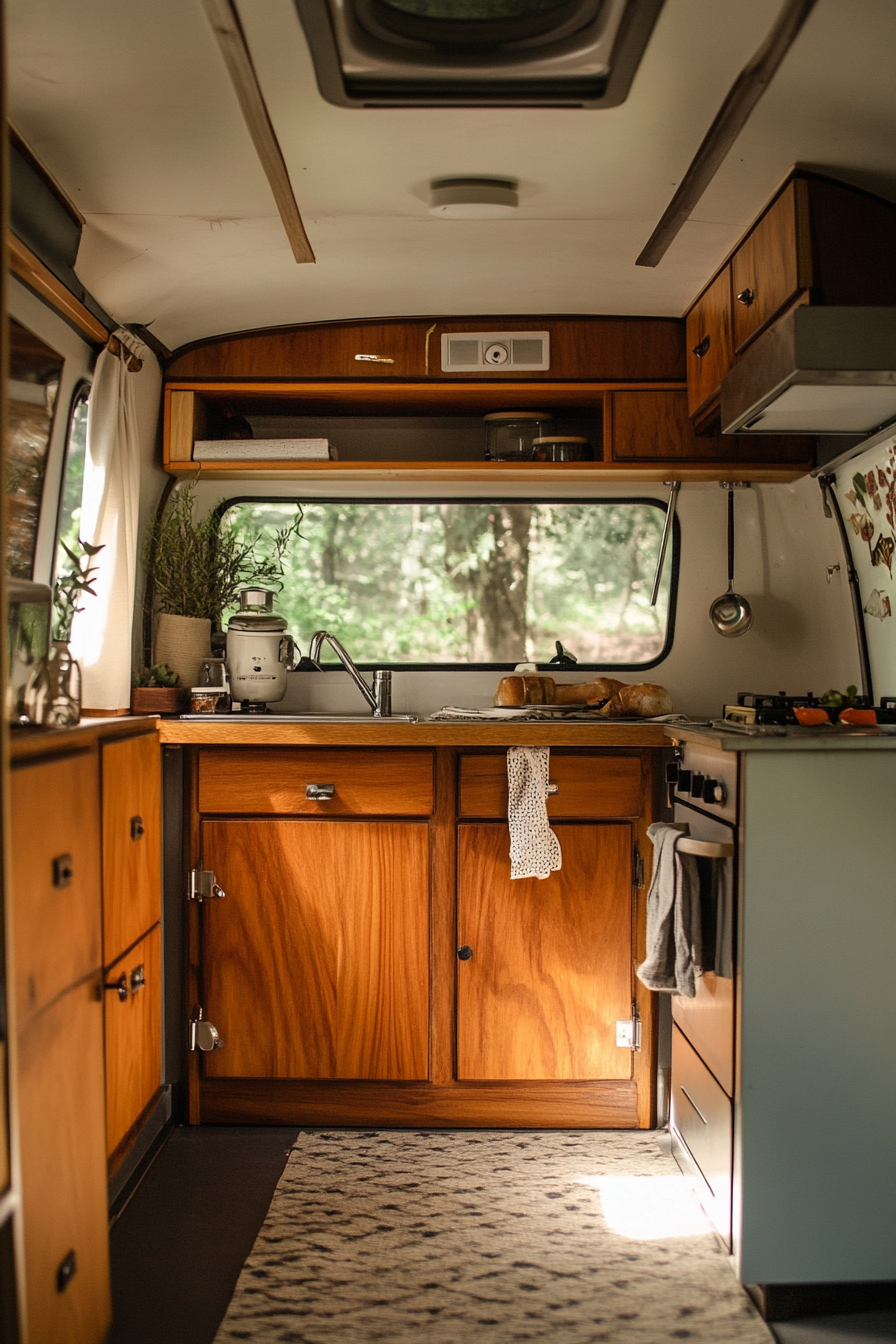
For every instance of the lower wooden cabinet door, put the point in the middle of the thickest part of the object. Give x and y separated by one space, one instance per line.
551 965
133 1036
63 1162
316 962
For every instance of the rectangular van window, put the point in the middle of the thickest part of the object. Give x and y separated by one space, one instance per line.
473 583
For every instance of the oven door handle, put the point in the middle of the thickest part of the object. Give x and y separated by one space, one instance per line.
705 849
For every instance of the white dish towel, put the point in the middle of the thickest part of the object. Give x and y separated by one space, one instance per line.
534 848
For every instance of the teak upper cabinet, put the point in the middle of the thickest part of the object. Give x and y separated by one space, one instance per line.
602 349
709 341
818 241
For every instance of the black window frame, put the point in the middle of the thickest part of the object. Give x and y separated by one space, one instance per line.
83 385
673 559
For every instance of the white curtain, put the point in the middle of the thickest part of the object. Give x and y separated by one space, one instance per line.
101 635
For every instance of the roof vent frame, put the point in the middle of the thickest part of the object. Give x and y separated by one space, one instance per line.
592 67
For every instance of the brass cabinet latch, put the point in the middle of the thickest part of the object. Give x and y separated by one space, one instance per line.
204 885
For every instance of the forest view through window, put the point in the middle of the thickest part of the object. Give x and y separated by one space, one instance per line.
467 582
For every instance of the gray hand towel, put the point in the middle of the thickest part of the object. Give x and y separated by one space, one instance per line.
673 916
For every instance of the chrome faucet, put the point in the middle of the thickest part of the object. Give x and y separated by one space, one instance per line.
380 698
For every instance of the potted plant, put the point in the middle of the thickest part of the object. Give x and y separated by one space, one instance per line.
62 706
156 691
195 571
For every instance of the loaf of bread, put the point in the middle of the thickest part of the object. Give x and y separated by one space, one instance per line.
642 701
587 692
527 688
530 688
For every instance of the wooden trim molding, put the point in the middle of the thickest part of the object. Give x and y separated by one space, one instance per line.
729 121
228 31
32 272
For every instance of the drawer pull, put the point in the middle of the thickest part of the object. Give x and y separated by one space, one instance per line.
375 359
553 787
63 871
464 953
746 297
701 348
693 1103
137 828
319 793
66 1272
138 979
120 986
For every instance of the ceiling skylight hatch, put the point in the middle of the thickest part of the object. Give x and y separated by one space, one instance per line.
504 53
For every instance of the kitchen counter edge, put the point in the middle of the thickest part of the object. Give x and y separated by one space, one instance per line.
872 739
33 744
175 732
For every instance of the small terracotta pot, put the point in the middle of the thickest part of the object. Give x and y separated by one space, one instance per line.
158 699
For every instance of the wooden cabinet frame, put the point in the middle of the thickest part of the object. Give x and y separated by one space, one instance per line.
440 1101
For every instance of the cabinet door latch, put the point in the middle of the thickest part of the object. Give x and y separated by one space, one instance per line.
204 885
637 869
203 1034
628 1031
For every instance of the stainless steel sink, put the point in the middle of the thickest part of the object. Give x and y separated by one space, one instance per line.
298 718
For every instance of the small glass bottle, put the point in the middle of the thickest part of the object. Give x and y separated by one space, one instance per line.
62 707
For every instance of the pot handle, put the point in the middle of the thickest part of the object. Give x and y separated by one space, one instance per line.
289 654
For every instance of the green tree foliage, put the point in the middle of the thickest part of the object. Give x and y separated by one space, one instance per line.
469 582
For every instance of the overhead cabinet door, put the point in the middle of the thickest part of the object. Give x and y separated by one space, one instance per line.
315 964
550 971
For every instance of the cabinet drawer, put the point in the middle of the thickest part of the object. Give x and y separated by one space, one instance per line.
710 351
55 878
772 264
276 781
63 1170
589 786
701 1117
133 1031
132 841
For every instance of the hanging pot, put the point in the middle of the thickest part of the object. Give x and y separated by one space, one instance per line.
731 614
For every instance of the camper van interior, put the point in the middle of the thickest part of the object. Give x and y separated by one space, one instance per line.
449 734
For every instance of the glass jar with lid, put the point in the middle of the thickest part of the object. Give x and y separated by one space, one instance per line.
562 448
511 434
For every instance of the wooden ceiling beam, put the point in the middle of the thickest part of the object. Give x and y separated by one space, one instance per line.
228 31
730 120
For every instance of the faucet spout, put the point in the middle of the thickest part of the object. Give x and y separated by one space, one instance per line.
317 642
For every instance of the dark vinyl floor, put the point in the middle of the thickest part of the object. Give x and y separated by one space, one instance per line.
179 1246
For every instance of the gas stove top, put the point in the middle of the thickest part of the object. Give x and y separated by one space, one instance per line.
754 710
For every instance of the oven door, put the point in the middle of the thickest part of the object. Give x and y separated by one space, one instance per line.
708 1019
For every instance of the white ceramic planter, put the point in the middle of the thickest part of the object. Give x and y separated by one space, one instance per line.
182 642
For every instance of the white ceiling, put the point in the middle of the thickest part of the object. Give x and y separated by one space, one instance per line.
129 105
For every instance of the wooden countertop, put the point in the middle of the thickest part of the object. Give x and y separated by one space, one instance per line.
178 732
31 744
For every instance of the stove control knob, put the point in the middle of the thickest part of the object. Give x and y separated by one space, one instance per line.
684 781
697 782
714 791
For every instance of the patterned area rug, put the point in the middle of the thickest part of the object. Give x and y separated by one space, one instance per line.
443 1236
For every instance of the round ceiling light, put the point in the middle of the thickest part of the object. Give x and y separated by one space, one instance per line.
473 197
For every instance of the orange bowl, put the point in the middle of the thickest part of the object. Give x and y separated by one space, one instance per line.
859 718
809 716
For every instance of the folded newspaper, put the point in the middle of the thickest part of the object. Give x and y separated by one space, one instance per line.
534 712
268 450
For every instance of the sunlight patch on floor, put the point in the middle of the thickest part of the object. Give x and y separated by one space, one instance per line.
649 1208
